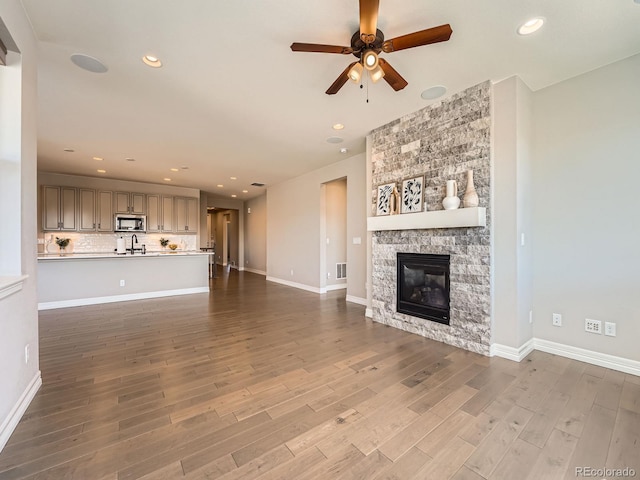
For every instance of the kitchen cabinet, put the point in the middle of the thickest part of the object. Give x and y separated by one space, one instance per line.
159 214
105 211
186 215
87 213
59 206
129 202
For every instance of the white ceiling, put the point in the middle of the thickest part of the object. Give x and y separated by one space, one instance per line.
233 100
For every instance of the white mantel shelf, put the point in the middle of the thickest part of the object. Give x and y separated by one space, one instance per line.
461 217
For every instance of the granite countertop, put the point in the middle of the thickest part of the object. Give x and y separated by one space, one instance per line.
91 255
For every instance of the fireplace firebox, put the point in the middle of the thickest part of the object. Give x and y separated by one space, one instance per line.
423 286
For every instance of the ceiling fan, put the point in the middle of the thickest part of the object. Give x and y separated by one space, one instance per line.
368 42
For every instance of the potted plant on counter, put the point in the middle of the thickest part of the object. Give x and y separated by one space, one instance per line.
62 243
164 242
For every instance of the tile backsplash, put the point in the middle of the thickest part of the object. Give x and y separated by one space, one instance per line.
106 242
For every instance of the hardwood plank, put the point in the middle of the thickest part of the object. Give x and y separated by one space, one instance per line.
554 458
448 460
405 467
625 441
519 459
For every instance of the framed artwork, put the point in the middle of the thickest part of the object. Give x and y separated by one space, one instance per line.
383 205
412 195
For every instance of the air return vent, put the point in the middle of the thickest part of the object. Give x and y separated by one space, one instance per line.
256 184
341 270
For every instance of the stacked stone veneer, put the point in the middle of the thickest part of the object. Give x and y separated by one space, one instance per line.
441 142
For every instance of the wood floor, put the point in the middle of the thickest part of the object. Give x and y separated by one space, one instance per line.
259 380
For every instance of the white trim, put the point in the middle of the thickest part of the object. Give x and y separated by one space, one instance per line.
301 286
358 300
511 353
253 270
9 424
596 358
11 284
330 288
79 302
461 217
368 312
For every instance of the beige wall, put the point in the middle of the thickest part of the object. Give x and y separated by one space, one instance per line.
255 238
233 205
586 228
294 212
18 312
335 245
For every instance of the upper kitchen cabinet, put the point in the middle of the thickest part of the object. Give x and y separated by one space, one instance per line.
59 206
128 202
87 215
105 211
187 214
159 213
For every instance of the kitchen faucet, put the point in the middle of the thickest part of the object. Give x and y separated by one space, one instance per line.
133 250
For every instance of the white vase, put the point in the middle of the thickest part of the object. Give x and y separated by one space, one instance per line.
470 198
451 201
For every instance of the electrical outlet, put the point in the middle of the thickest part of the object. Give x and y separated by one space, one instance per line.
292 272
26 353
557 319
610 329
122 283
530 316
328 274
592 326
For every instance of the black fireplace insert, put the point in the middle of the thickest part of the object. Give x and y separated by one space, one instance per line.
423 286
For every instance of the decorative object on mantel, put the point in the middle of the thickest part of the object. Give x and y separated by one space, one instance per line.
394 201
451 201
383 206
470 198
412 194
62 243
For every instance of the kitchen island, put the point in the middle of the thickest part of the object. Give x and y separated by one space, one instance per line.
93 278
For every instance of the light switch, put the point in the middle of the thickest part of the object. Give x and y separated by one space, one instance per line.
357 240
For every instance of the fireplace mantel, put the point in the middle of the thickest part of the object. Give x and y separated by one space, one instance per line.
461 217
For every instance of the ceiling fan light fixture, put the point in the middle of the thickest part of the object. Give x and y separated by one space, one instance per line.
531 26
370 59
355 74
376 74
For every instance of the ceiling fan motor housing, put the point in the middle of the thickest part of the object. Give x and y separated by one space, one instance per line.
360 46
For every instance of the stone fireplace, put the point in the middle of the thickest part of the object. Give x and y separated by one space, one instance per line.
441 142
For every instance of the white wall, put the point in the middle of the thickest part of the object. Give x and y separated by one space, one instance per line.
585 218
512 276
294 212
255 238
18 312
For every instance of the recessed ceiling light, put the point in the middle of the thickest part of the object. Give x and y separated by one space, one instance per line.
167 179
433 92
88 63
531 26
233 178
99 159
70 150
173 169
245 191
234 195
338 126
152 61
130 159
334 140
220 185
102 171
343 150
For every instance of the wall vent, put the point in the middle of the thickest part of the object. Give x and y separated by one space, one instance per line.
256 184
341 270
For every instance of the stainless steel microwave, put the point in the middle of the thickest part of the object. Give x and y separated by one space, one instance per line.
130 223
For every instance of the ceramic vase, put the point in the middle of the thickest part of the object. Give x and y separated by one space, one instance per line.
394 201
451 201
470 198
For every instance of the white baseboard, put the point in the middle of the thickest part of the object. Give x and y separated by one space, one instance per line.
358 300
253 270
368 312
596 358
9 424
301 286
80 302
331 288
588 356
511 353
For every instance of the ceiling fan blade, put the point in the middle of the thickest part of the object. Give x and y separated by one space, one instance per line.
340 81
417 39
368 20
314 47
392 77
